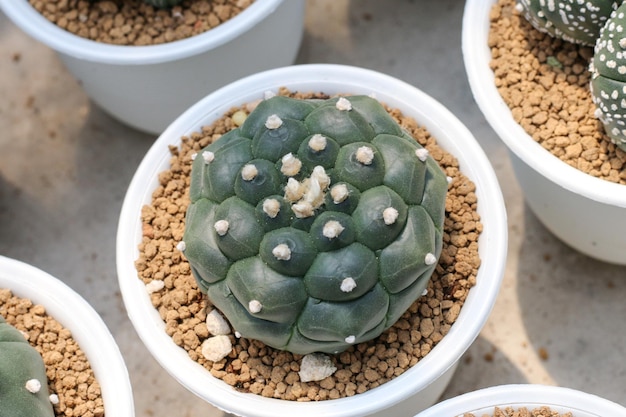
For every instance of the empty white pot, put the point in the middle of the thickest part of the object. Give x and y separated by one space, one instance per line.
421 385
147 87
585 212
88 330
530 396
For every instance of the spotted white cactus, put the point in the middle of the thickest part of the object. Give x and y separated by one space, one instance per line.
598 23
608 81
577 21
329 250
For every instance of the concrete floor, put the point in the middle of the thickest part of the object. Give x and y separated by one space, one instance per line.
65 166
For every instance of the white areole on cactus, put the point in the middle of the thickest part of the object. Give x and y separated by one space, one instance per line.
271 207
318 142
208 156
221 227
273 122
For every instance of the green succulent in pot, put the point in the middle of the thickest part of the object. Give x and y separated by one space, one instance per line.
315 224
597 23
608 81
572 20
23 382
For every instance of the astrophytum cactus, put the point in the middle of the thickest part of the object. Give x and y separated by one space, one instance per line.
23 382
598 23
575 21
608 80
316 224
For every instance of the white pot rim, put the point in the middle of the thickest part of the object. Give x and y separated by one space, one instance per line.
476 56
37 26
87 327
526 395
328 78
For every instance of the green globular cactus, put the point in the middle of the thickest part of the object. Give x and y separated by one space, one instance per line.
23 382
162 4
608 79
575 21
316 224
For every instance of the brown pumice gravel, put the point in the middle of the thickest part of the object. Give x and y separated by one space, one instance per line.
545 82
256 368
133 22
522 412
69 373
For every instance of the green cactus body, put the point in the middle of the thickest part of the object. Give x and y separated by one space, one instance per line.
608 80
571 20
23 382
316 224
162 4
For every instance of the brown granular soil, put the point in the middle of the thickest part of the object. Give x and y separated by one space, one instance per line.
256 368
133 22
69 373
545 82
522 412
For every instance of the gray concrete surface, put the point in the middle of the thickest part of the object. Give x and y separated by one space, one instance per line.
65 166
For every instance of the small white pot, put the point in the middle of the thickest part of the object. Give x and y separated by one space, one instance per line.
147 87
420 386
88 330
530 396
585 212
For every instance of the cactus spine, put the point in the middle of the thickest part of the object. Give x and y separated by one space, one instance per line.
23 382
316 224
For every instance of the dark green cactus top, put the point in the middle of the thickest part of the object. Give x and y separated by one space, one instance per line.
316 224
608 80
23 382
572 20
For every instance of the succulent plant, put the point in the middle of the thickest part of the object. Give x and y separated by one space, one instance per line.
572 20
608 80
163 4
597 23
23 382
315 224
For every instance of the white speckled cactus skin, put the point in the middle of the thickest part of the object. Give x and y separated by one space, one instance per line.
20 363
316 224
608 82
575 21
598 23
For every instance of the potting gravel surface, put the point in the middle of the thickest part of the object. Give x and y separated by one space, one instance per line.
522 412
256 368
69 373
545 82
133 22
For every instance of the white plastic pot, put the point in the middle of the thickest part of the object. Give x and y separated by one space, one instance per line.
88 330
583 211
417 388
147 87
530 396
